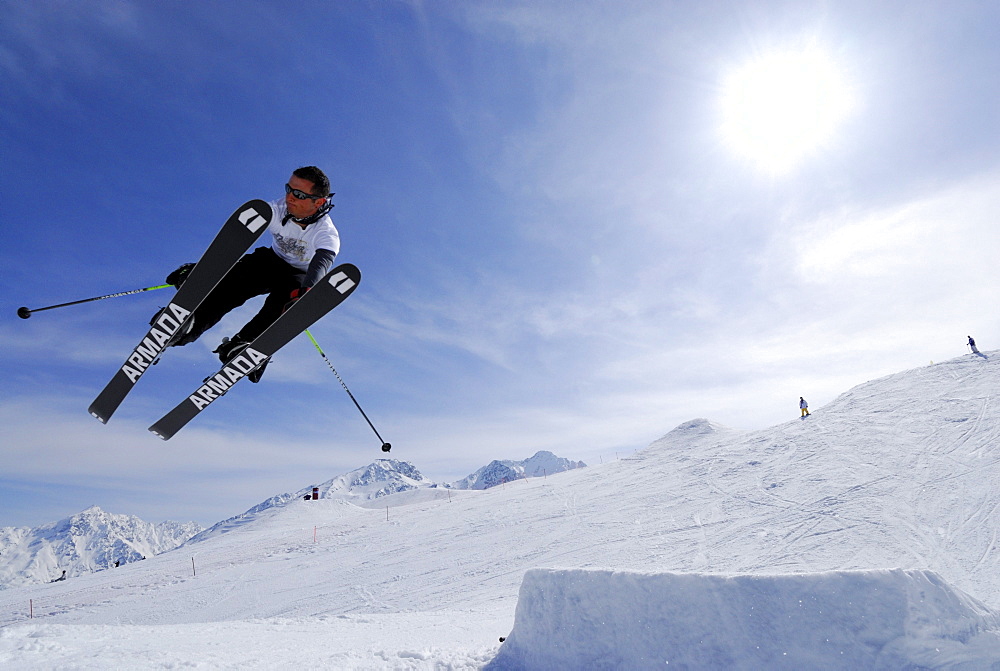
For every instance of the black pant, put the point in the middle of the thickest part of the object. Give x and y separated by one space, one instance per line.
260 272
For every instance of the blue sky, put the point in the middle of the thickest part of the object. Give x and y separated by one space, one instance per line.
562 247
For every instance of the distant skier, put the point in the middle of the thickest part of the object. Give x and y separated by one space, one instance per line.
305 242
972 344
803 406
60 578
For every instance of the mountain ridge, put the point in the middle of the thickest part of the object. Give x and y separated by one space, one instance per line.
497 472
75 544
88 541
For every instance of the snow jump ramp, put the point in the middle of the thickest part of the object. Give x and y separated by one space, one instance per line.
873 619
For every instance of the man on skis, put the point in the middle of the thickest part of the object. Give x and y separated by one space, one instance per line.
305 243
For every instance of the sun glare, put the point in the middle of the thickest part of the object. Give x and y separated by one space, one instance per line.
783 106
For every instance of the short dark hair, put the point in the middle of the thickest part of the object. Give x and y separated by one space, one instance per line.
321 184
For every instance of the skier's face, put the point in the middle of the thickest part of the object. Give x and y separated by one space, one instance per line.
300 208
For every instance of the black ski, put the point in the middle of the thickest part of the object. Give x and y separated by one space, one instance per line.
239 232
328 293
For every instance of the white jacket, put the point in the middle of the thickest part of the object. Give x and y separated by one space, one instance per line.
297 246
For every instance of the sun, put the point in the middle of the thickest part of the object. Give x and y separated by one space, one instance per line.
783 106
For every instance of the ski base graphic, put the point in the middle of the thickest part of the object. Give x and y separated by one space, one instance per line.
239 232
328 293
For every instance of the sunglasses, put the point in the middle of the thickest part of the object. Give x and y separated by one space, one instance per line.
301 195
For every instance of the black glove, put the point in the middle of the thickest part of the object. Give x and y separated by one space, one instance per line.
177 277
295 296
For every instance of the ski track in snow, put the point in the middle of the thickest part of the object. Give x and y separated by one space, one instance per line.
898 472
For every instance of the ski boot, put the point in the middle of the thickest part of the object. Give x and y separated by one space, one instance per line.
230 348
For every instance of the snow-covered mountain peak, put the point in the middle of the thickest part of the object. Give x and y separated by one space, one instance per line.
379 478
383 477
546 463
88 541
392 477
498 472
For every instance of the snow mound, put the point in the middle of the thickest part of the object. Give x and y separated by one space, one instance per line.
877 619
692 433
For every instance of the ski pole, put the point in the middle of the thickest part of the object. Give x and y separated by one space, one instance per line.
24 313
385 446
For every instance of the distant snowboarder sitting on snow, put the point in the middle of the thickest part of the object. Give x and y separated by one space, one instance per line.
803 406
972 344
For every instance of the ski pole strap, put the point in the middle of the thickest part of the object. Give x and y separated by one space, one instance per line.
385 446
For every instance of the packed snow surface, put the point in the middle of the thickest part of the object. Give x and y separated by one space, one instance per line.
898 473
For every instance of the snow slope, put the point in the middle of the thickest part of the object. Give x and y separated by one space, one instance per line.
901 472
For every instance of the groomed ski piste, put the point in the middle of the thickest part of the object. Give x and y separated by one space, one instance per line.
863 536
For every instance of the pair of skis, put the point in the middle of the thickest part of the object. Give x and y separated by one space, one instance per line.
239 232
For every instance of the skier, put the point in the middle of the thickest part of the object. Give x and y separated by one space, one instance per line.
972 344
803 406
305 243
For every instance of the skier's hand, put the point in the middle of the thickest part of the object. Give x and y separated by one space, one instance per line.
294 297
177 277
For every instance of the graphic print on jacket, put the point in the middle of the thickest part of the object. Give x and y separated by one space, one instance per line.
292 248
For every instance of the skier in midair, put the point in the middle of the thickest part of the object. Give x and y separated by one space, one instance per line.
305 243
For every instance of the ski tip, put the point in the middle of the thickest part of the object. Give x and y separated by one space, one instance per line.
156 432
96 415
